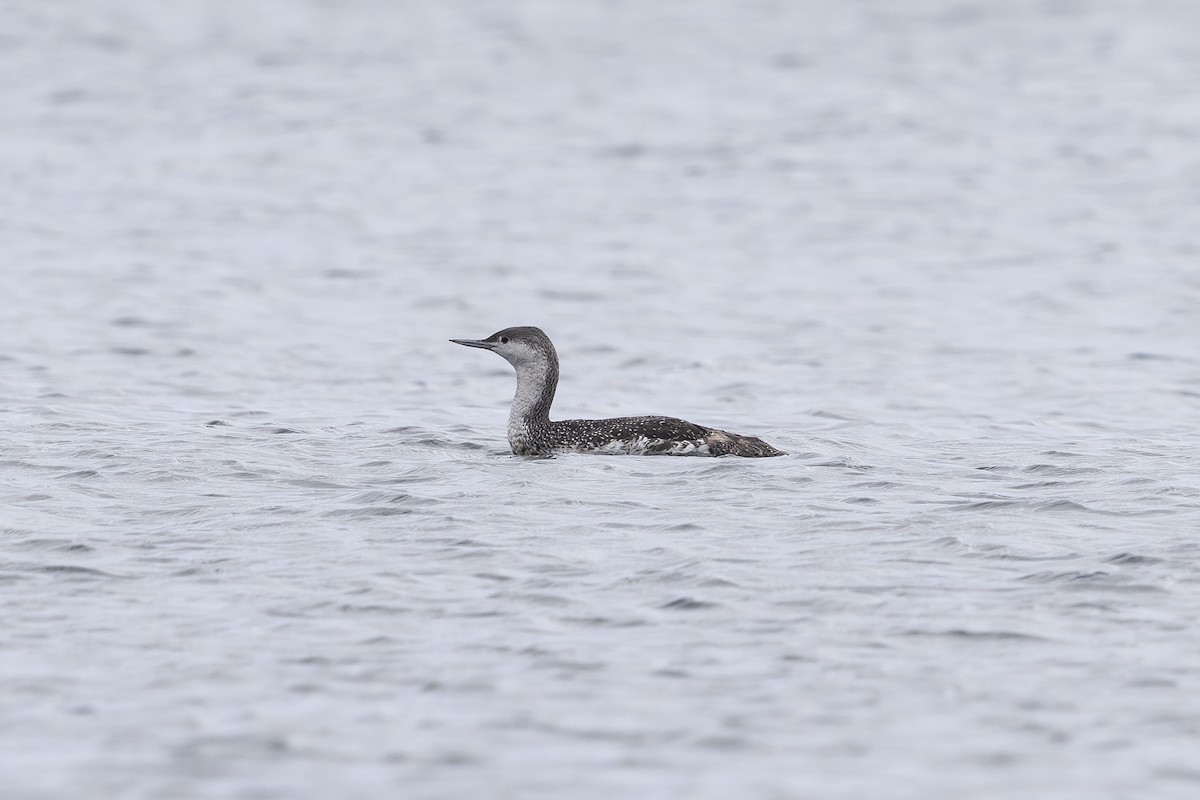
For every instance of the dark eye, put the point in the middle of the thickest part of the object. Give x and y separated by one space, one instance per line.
503 340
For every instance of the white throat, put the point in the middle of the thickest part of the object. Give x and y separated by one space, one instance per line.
531 388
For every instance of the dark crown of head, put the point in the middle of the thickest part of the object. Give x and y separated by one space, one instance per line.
527 333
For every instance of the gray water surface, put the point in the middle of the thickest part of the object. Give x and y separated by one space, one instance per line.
261 535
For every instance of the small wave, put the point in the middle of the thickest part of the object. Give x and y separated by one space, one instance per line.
719 466
376 496
1066 577
687 604
963 633
723 743
342 273
93 452
605 622
71 569
82 473
374 511
237 747
312 483
571 296
423 437
538 598
845 416
1002 553
1060 505
1054 469
1028 505
400 475
372 608
1144 356
1131 559
844 463
1099 579
1044 485
131 322
59 545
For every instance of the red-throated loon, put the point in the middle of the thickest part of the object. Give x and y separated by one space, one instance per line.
532 433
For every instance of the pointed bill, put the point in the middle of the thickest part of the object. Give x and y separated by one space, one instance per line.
475 343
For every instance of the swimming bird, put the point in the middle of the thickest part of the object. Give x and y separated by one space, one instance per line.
531 432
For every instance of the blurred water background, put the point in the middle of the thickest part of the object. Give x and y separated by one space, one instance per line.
260 533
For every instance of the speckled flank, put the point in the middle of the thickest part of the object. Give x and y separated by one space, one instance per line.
531 432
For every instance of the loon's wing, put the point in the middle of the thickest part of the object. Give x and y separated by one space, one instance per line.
670 436
667 428
618 431
652 436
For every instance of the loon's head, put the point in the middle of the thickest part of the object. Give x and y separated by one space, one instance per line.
523 346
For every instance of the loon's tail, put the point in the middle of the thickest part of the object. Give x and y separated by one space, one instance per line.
723 443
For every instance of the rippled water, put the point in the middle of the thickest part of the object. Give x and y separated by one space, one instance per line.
261 533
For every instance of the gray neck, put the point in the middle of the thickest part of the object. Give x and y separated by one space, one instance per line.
536 383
